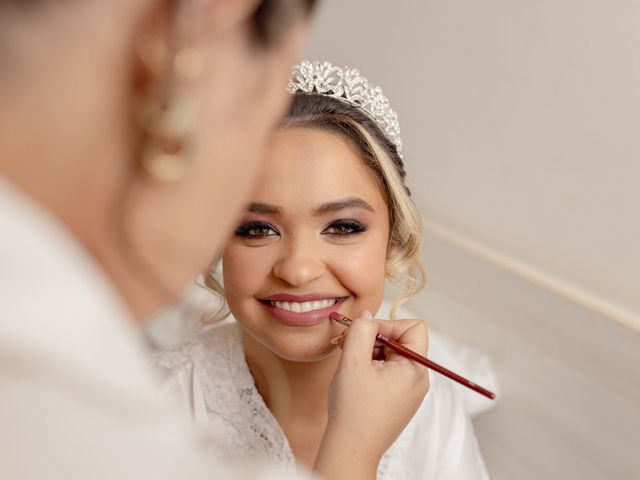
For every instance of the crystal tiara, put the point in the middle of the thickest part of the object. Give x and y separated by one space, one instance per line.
348 85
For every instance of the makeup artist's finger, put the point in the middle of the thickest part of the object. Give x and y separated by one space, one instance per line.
339 340
358 344
378 350
412 334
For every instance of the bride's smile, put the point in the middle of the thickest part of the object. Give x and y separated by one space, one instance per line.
302 310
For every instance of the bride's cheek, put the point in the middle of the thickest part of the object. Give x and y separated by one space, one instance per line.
363 273
245 271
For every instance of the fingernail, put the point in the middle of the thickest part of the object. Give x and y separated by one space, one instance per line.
366 315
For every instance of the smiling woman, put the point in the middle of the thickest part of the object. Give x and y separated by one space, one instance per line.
328 222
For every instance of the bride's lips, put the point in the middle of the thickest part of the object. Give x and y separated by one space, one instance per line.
301 319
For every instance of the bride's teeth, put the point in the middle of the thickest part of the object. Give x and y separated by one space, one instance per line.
301 307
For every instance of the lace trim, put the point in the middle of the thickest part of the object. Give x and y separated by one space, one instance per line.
234 405
236 411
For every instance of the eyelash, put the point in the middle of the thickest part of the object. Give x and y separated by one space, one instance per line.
353 227
346 227
246 230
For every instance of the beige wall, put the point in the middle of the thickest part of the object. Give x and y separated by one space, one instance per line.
521 124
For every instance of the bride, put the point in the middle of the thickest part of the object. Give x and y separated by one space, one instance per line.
329 221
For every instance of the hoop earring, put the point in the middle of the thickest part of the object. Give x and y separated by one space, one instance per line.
168 128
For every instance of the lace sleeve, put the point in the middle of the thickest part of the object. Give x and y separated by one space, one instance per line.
211 380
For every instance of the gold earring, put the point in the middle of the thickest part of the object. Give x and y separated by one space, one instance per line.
188 64
167 147
152 52
167 153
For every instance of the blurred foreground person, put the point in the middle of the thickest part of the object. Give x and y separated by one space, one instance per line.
130 133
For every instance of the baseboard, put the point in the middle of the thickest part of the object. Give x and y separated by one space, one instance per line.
561 287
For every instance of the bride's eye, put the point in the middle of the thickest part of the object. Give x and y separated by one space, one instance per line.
345 228
255 230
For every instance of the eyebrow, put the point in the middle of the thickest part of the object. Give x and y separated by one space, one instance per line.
351 202
329 207
264 208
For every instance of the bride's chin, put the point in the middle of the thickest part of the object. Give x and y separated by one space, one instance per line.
306 353
311 344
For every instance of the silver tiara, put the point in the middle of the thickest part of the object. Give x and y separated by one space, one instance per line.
348 85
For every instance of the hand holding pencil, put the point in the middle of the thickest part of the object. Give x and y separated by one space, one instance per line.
371 402
387 341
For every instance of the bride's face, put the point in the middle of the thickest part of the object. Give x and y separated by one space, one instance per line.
313 240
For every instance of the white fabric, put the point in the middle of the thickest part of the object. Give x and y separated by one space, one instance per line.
460 358
77 397
210 377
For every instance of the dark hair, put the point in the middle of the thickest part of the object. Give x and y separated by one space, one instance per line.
25 4
272 17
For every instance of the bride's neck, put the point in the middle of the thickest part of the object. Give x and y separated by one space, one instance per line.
291 390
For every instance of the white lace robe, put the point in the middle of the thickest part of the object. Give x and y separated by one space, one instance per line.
211 379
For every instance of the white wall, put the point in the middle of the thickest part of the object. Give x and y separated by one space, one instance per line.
521 124
569 376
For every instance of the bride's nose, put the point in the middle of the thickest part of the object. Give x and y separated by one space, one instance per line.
301 262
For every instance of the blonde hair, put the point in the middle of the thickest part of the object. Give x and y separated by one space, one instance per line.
404 261
404 256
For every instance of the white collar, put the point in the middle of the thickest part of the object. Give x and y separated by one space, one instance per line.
59 312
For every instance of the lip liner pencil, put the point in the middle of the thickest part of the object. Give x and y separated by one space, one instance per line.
410 354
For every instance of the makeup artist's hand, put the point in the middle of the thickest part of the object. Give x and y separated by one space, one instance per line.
370 402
